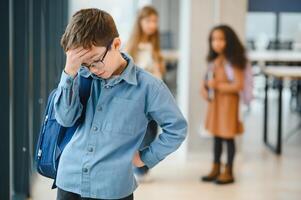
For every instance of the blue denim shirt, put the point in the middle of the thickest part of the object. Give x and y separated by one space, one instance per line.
97 163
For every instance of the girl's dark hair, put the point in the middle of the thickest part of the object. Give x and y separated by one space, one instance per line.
234 50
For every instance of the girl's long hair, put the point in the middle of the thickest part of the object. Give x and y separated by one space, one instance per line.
136 36
234 50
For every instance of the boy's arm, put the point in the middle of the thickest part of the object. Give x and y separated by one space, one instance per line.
163 109
67 104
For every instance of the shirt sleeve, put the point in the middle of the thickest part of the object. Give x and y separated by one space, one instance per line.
163 109
67 104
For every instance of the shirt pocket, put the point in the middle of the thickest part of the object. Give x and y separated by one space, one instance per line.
123 116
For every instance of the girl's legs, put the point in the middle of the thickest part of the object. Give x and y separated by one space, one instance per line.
231 150
218 148
215 171
227 176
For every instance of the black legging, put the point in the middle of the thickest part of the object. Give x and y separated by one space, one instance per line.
218 148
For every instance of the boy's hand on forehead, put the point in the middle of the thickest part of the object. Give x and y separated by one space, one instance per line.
75 58
93 55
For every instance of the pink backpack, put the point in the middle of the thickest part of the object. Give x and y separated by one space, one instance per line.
247 93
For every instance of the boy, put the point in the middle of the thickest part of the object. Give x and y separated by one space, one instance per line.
97 162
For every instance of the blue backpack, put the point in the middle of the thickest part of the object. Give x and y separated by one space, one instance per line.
53 137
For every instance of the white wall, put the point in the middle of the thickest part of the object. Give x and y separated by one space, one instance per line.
169 17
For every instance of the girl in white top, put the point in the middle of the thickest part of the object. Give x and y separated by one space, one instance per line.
144 47
144 43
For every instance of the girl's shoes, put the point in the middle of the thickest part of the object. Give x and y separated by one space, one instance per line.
215 172
219 178
226 177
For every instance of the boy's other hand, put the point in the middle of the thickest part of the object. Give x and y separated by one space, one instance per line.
137 162
75 57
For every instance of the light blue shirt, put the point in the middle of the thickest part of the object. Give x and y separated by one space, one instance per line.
97 163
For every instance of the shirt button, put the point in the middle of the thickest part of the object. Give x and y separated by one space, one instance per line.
95 128
90 149
85 170
99 108
107 87
68 81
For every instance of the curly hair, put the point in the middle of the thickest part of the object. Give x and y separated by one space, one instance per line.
234 50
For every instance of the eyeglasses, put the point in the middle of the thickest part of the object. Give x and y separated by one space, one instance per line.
99 63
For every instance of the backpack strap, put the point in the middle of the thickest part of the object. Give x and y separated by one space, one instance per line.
229 71
84 93
49 111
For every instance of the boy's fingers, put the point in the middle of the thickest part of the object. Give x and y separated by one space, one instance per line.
74 51
83 52
88 56
78 50
94 56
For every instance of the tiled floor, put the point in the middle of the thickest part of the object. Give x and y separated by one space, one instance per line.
259 173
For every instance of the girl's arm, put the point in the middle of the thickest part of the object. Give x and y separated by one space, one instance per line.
235 86
159 69
203 90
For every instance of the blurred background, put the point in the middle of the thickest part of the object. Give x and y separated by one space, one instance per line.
268 155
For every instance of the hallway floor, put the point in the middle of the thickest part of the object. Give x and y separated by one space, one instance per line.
260 174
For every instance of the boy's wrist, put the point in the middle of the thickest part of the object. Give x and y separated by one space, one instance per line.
137 161
70 71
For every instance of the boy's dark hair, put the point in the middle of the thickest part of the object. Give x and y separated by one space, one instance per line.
89 27
234 50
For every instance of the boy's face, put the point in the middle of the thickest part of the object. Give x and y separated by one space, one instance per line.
104 61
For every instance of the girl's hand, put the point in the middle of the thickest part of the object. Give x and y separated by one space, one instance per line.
211 84
137 162
204 92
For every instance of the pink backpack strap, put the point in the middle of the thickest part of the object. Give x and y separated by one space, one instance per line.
246 94
210 66
229 71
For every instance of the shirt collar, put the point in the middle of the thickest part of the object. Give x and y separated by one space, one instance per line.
129 74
